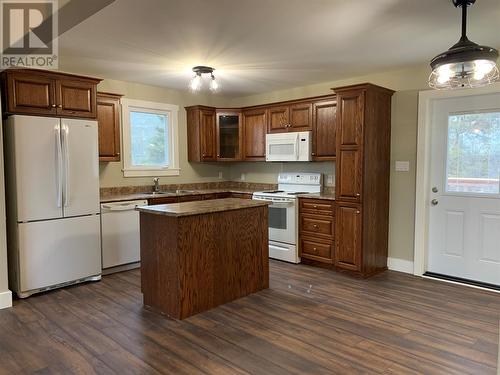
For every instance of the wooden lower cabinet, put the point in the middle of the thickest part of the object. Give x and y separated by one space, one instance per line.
311 248
316 230
348 236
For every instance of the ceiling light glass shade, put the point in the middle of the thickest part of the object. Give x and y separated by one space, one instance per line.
466 64
195 83
214 85
197 80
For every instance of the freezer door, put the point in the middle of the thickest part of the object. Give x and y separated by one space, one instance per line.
81 167
58 251
37 166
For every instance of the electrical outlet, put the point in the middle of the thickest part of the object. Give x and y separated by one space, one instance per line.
220 175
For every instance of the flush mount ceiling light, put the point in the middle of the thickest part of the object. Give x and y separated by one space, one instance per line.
196 81
466 64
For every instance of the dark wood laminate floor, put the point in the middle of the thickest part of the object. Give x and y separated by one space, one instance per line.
311 321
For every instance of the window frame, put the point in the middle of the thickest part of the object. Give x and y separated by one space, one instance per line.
171 111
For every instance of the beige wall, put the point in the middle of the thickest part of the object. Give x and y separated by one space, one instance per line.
111 173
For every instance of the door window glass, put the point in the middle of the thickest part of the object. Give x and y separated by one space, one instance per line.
473 153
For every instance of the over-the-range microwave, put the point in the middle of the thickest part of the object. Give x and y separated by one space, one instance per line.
292 146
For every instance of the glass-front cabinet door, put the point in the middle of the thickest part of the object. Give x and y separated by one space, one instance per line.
229 136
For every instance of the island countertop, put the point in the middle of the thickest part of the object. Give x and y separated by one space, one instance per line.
201 207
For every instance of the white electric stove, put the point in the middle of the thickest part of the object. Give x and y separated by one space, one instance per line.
283 212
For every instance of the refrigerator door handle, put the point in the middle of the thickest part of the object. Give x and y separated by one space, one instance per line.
59 165
65 149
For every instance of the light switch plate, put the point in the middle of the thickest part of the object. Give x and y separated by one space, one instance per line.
329 180
402 166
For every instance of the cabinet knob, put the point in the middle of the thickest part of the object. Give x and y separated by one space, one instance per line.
60 105
54 106
314 249
358 212
218 155
315 226
357 194
313 153
315 206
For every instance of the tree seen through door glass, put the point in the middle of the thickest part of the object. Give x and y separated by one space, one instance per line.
473 154
149 139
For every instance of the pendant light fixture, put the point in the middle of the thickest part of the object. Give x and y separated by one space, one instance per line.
197 81
466 64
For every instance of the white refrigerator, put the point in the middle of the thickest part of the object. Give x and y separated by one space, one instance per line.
52 170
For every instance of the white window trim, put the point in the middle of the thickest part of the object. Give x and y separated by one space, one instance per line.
173 131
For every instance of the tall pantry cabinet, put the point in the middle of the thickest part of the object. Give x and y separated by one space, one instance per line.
362 178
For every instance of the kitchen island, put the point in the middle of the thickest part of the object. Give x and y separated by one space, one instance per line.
198 255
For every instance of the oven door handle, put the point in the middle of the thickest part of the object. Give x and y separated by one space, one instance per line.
281 204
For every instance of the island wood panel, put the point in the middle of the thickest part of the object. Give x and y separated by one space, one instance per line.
193 263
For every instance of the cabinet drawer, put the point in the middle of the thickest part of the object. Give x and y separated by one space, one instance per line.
316 206
319 251
316 225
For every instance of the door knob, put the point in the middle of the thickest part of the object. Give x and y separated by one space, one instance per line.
435 189
434 202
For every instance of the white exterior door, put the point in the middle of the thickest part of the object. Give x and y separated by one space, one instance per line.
81 167
38 166
464 219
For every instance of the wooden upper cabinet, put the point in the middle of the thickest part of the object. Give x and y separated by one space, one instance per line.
45 93
108 121
279 119
351 112
30 94
201 131
324 130
301 117
76 98
229 136
348 232
207 135
254 134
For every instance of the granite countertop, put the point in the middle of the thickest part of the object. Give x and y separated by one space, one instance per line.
326 196
201 207
137 196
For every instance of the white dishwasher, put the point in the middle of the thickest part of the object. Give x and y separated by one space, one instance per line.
120 234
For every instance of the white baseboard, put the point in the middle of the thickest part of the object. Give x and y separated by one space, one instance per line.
400 265
5 299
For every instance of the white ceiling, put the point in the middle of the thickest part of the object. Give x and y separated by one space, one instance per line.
266 45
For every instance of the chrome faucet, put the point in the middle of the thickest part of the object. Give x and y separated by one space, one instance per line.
156 181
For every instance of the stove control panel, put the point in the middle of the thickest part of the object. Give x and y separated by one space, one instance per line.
300 178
